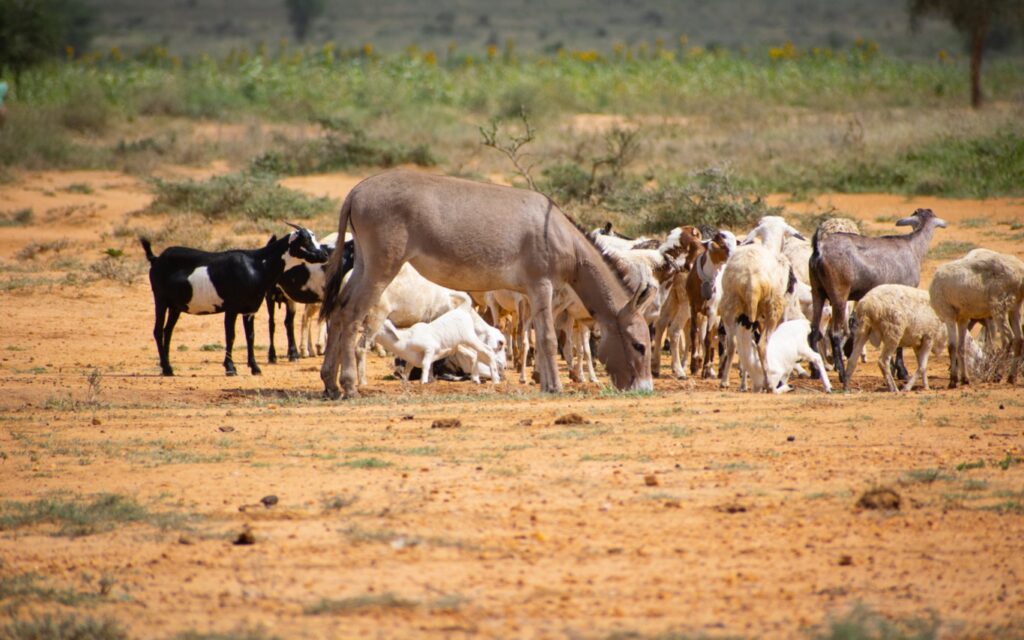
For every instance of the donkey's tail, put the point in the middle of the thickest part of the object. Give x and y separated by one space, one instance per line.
334 273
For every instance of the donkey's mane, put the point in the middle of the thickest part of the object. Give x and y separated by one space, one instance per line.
617 265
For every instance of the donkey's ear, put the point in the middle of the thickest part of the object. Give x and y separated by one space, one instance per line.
643 297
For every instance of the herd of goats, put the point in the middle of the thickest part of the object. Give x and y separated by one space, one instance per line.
538 285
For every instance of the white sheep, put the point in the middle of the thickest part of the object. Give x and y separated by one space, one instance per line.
772 231
895 315
984 286
423 343
755 283
786 348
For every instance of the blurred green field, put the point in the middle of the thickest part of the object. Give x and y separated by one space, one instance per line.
772 119
216 26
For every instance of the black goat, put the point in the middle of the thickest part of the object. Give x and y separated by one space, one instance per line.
301 283
845 266
230 282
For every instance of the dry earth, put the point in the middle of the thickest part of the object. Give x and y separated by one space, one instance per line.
692 510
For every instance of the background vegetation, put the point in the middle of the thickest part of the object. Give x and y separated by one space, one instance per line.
709 126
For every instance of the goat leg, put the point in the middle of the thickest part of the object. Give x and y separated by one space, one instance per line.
837 358
898 368
289 329
271 351
229 339
249 326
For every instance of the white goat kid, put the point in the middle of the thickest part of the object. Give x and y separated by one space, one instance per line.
786 348
423 343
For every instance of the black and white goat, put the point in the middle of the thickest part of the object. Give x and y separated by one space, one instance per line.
302 283
230 282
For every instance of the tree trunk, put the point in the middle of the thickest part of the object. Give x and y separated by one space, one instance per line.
977 50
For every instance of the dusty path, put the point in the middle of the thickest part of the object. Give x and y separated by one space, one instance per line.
693 510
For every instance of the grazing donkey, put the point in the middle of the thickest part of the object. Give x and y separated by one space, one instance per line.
473 236
229 282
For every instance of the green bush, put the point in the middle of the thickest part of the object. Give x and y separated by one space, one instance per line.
340 150
709 197
255 196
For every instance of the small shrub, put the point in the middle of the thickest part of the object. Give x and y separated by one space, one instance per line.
34 249
119 269
861 623
359 604
18 218
709 197
248 195
48 627
950 249
75 517
339 150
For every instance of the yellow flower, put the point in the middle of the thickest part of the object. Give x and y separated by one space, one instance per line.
430 58
491 51
368 50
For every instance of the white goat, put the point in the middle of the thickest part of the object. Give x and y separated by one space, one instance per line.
423 343
494 339
786 348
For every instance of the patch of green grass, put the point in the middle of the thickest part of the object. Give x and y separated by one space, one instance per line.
974 167
79 187
1008 461
245 195
923 476
212 346
18 218
25 587
950 249
359 604
79 517
342 145
975 223
365 463
72 627
603 457
862 623
967 466
1010 506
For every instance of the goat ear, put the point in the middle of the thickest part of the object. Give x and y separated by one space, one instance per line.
607 228
939 222
909 221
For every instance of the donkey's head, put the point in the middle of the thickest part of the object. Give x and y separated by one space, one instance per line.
625 346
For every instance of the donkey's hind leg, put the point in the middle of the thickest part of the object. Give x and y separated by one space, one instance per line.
357 297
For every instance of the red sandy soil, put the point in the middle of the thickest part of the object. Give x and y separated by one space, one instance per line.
693 510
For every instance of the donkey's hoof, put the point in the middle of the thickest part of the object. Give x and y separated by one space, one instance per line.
231 372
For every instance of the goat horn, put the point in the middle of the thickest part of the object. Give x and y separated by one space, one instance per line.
293 226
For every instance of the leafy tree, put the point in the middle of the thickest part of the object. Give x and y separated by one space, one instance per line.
33 30
976 20
302 13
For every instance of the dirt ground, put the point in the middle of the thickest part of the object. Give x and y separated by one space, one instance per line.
693 510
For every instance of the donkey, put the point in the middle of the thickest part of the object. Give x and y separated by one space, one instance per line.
474 236
230 282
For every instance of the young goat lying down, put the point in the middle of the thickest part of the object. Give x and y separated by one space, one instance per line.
423 343
786 348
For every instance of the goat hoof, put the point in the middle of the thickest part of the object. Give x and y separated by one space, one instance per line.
332 394
230 372
293 357
256 371
271 358
168 372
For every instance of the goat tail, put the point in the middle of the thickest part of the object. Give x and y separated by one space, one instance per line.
814 243
148 248
334 273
